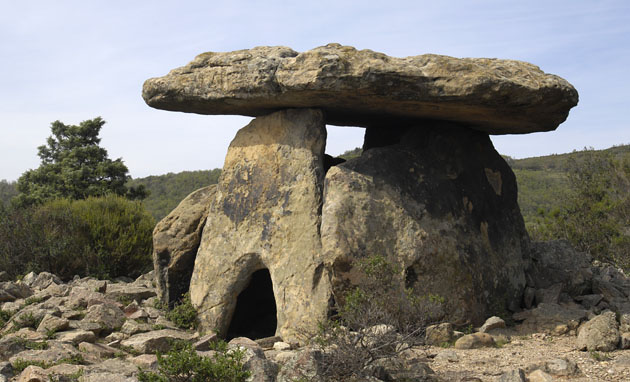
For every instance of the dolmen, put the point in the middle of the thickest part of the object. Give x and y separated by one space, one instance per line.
271 248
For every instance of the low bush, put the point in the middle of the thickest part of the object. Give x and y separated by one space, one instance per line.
377 319
183 364
183 314
105 237
595 215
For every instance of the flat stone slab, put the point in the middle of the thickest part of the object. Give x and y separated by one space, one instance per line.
365 88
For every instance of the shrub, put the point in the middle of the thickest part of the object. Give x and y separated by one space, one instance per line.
4 317
105 237
184 315
595 214
377 319
183 364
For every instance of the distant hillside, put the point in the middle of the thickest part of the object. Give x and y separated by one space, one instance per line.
542 181
166 191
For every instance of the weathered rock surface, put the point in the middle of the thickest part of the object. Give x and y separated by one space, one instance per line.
556 262
546 317
439 334
601 333
266 216
159 340
442 205
366 88
176 240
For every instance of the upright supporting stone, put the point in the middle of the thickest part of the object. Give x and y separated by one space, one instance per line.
266 215
442 205
175 243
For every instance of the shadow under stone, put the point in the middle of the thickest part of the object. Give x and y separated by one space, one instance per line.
255 313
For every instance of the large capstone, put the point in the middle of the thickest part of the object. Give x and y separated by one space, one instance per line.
266 216
365 88
442 205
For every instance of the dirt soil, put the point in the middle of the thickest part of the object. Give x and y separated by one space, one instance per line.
529 352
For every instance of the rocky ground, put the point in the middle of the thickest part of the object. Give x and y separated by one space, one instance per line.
95 330
558 357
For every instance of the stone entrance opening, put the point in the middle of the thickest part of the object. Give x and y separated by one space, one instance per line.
255 313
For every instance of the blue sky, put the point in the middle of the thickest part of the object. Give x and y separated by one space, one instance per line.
75 60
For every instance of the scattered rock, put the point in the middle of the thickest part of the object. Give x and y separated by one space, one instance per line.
306 364
125 292
51 323
447 355
539 376
561 367
76 336
109 317
159 340
11 291
131 327
44 280
548 316
599 334
491 323
53 354
475 341
204 343
439 334
33 374
145 361
281 346
513 376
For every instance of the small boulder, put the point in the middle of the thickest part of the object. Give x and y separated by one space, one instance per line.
539 376
475 341
601 333
76 336
439 334
204 342
159 340
100 351
447 355
561 367
33 374
491 323
108 317
517 375
51 323
44 280
281 346
306 364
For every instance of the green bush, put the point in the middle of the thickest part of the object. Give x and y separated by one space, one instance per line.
105 237
595 215
184 314
183 364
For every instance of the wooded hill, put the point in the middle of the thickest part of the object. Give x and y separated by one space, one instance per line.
542 182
